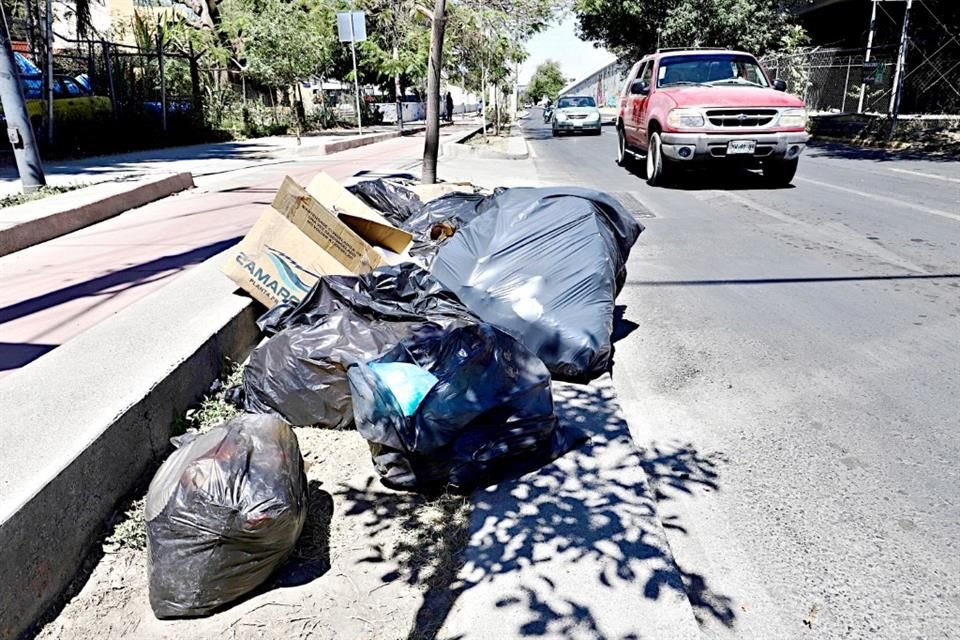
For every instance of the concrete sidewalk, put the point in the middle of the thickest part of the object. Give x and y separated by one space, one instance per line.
57 289
204 160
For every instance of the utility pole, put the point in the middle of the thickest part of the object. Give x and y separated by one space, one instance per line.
866 59
898 75
431 146
19 129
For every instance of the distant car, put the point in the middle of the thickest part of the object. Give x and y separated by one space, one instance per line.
576 114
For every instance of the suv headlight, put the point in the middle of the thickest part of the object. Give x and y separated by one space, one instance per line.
561 116
685 119
793 118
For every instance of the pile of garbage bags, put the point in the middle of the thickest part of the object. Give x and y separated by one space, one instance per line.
444 363
222 513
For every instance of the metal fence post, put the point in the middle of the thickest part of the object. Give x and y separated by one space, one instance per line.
109 69
163 82
846 84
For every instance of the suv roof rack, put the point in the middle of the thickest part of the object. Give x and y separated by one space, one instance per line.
662 49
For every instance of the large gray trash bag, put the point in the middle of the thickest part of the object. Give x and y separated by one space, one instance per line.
301 372
222 513
546 266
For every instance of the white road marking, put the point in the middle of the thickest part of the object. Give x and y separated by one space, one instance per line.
886 199
925 175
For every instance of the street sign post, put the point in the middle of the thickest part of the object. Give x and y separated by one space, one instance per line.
352 28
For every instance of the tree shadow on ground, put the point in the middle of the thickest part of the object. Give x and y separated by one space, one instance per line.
536 545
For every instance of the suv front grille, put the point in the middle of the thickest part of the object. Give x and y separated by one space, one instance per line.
741 118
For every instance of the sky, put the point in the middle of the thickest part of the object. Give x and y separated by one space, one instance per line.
577 58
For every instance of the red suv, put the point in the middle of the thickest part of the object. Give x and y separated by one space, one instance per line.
684 106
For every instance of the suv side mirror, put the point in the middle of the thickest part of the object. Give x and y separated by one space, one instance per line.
639 87
780 85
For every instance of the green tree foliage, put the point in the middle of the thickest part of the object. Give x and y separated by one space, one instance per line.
633 28
547 81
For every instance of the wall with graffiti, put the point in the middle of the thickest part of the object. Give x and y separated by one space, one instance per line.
605 85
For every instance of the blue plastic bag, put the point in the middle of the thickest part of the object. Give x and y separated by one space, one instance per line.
408 383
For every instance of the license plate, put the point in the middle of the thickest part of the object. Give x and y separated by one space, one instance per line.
577 124
738 147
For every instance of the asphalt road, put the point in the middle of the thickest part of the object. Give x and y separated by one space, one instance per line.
788 360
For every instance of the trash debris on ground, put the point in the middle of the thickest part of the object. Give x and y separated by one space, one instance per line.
300 372
309 233
545 265
222 513
443 209
490 412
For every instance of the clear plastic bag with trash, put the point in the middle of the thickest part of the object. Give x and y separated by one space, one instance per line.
223 512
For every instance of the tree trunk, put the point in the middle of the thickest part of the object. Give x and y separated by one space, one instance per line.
431 145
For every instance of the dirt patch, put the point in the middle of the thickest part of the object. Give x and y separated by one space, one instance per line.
495 142
359 570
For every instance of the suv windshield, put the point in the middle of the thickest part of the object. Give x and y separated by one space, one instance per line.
567 103
710 70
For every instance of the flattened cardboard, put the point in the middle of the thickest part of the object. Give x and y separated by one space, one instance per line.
428 192
331 234
276 262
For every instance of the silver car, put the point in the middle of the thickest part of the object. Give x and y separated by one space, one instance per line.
576 114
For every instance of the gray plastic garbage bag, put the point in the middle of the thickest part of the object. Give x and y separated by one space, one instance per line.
222 513
490 412
300 373
545 265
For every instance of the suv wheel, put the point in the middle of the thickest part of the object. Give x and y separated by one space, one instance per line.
623 156
780 172
657 173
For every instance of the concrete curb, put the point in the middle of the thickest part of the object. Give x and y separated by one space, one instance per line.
32 223
518 148
367 139
75 445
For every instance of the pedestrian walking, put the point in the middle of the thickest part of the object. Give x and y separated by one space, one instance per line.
449 103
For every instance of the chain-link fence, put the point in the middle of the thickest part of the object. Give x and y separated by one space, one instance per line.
837 79
845 80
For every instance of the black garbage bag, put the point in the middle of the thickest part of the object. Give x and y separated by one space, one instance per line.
300 373
490 412
395 202
222 513
546 266
401 293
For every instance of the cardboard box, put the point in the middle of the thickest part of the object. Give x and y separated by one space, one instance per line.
428 192
355 212
298 240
